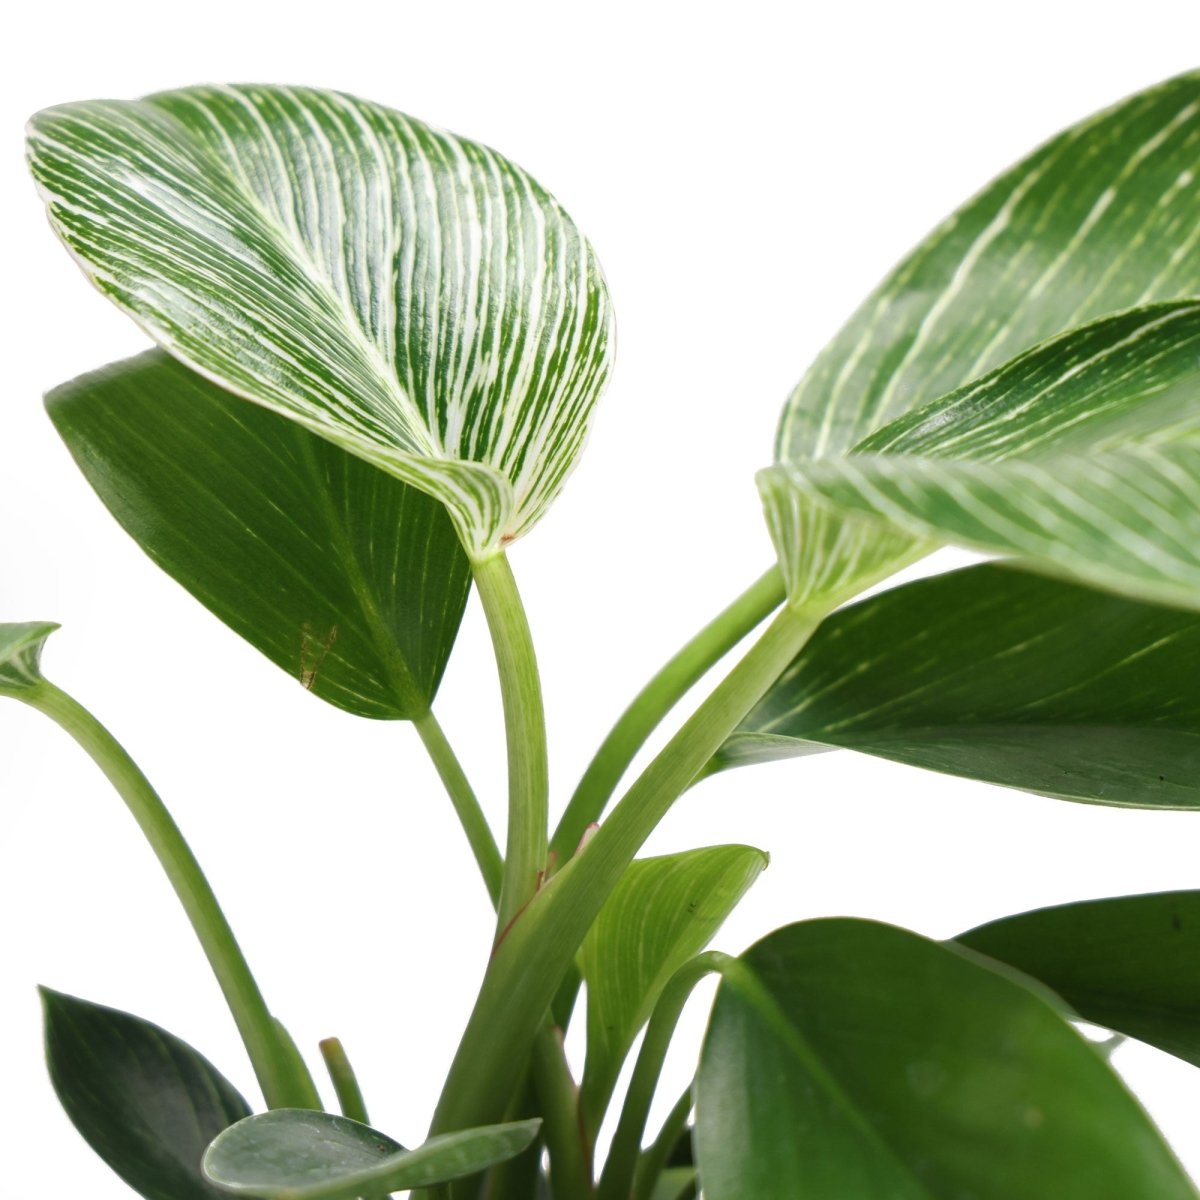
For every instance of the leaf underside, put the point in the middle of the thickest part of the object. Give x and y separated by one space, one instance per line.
410 295
995 674
349 580
847 1058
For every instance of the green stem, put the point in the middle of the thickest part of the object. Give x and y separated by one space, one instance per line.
655 700
525 729
619 1169
345 1082
658 1154
531 961
285 1082
558 1098
466 805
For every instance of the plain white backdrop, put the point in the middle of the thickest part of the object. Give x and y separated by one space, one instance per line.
746 174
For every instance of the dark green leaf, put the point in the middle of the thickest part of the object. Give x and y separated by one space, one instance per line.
1131 963
663 911
146 1102
346 578
295 1154
21 653
995 674
851 1059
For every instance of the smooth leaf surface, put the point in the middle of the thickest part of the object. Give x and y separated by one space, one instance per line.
675 1183
1101 218
1079 458
408 294
663 911
351 581
145 1101
995 674
1130 963
296 1154
21 653
847 1058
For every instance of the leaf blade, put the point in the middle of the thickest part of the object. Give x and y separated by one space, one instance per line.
410 295
664 911
344 577
974 1086
21 645
297 1154
145 1101
997 675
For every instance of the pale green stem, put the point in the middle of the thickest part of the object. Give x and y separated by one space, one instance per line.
284 1080
655 700
466 805
531 961
656 1156
617 1177
345 1082
558 1098
525 729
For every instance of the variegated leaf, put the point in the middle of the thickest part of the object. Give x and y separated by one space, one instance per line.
1081 458
1101 219
410 295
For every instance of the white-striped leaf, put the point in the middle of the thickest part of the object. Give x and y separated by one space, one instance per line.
1104 218
1100 219
410 295
21 654
1081 458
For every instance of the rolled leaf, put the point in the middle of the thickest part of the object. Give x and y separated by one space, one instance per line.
21 654
995 674
663 911
847 1058
348 579
1130 963
296 1154
145 1101
410 295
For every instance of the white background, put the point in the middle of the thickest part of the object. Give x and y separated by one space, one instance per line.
746 174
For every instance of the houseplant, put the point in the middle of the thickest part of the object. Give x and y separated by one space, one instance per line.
415 318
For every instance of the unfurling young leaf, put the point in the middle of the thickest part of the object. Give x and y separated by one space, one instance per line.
21 654
410 295
348 579
145 1101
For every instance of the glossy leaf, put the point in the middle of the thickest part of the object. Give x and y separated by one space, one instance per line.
145 1101
1131 963
408 294
847 1058
995 674
295 1154
346 578
1079 458
663 911
1100 219
21 653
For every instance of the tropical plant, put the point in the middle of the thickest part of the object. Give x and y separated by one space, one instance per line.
380 348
